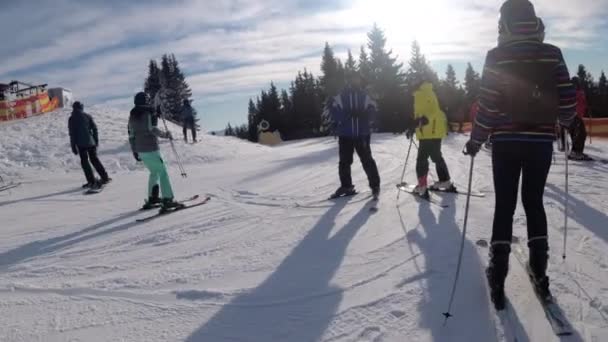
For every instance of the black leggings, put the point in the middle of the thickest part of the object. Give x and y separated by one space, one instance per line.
531 160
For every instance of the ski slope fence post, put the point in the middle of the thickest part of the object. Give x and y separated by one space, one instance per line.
447 314
566 200
407 157
177 158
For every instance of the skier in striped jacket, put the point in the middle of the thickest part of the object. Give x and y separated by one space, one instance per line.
525 90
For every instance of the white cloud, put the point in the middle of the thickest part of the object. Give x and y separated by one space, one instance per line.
238 46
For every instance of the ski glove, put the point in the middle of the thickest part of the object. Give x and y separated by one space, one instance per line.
471 148
136 156
421 121
74 150
410 132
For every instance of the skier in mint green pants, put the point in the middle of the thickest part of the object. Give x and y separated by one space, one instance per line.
143 137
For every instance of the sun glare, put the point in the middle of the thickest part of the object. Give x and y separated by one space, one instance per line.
442 27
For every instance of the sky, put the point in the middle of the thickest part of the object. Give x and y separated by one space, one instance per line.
231 49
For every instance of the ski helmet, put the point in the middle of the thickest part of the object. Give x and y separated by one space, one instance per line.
77 106
142 99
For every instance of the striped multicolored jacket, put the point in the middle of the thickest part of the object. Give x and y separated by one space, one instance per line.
491 120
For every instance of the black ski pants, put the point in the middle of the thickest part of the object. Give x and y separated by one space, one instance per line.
347 147
578 134
431 148
189 124
90 154
531 160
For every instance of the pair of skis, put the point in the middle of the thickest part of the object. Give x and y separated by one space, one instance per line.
504 319
188 203
375 199
410 189
5 187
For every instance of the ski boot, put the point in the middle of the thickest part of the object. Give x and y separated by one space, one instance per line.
98 185
446 186
106 181
168 204
344 191
376 192
421 189
154 200
537 268
496 273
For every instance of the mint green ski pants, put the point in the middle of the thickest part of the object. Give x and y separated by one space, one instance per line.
158 173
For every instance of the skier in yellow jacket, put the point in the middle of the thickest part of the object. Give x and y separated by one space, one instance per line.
431 126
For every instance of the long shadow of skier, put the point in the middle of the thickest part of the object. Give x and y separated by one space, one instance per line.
439 241
42 247
587 216
296 302
40 197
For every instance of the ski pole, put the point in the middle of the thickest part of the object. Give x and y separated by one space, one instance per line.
590 126
567 200
407 157
177 158
447 314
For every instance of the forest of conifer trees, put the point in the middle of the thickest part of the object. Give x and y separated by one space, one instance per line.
298 112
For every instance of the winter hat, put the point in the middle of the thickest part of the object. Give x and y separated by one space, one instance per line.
77 106
518 21
141 99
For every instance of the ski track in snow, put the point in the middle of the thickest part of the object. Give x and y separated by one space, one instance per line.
268 259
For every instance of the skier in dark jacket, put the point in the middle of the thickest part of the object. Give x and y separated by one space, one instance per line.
187 114
352 112
143 137
84 141
525 89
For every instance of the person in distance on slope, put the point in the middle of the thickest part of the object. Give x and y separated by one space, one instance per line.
143 138
187 114
84 141
351 112
525 90
430 126
578 132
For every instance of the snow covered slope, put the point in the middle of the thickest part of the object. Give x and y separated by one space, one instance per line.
267 259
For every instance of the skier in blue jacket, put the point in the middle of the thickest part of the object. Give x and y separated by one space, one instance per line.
352 112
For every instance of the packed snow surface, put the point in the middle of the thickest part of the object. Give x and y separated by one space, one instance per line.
268 259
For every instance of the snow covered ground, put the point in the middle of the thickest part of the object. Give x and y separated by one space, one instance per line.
266 259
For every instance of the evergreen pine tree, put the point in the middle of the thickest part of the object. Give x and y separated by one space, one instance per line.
419 68
174 88
252 122
152 84
330 69
451 96
603 94
228 131
350 67
472 82
386 83
364 68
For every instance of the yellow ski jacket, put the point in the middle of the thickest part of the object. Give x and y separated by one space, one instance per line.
426 104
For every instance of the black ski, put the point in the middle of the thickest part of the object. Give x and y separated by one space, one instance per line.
158 205
352 198
171 211
454 190
95 190
410 190
554 314
9 186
